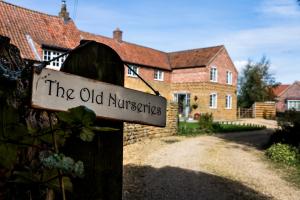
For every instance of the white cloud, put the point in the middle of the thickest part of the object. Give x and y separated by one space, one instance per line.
266 40
287 8
240 64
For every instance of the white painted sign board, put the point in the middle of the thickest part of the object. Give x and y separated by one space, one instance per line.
59 91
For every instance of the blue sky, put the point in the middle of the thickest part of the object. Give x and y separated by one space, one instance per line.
249 29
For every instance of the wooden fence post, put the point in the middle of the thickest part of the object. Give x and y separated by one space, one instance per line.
103 158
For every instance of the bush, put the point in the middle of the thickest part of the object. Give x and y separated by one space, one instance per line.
206 121
283 153
288 133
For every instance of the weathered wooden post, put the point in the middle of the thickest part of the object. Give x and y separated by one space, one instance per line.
104 155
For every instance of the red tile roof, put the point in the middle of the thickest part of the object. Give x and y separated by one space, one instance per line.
193 58
17 23
279 89
30 30
133 53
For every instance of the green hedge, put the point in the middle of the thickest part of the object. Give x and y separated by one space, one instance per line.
194 128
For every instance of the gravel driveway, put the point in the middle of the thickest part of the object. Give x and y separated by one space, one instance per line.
205 167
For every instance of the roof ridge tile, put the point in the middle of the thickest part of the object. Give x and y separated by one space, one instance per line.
195 49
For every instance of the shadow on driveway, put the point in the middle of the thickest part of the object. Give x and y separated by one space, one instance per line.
258 139
171 183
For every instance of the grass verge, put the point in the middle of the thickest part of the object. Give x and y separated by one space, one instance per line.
289 173
193 128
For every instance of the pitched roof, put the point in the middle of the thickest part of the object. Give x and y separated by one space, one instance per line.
30 30
133 53
193 58
279 89
23 25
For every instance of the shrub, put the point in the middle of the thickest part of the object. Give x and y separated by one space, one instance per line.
288 133
283 153
206 121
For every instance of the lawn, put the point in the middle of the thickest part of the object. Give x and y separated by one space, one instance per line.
193 128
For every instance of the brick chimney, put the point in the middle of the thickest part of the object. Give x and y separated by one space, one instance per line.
63 11
117 35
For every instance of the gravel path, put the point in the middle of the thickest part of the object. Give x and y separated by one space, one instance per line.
206 167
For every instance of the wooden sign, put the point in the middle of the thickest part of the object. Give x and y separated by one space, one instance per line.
59 91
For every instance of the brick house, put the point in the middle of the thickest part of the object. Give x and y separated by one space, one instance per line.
287 97
200 80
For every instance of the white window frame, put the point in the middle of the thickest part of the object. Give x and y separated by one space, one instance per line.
293 104
228 101
158 75
213 74
50 54
229 77
134 68
213 100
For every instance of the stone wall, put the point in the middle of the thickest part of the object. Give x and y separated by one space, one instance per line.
135 132
203 91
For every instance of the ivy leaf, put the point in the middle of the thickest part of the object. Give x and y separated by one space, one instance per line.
89 117
79 169
65 117
8 155
25 177
80 114
87 135
46 138
18 131
84 115
54 184
11 115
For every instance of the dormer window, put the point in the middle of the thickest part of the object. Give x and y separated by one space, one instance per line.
49 55
130 71
213 74
158 75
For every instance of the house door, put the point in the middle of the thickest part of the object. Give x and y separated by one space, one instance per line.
183 100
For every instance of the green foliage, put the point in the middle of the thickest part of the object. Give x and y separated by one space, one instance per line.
8 155
195 129
256 83
204 125
206 122
283 153
288 133
79 115
229 128
61 162
81 122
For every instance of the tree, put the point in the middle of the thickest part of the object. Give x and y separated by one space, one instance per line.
256 83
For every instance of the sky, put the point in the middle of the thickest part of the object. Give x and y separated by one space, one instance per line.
249 29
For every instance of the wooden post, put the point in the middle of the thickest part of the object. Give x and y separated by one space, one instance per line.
103 158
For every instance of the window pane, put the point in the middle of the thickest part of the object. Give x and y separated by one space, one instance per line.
130 71
213 74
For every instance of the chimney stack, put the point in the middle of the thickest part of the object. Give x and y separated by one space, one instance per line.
117 35
63 12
